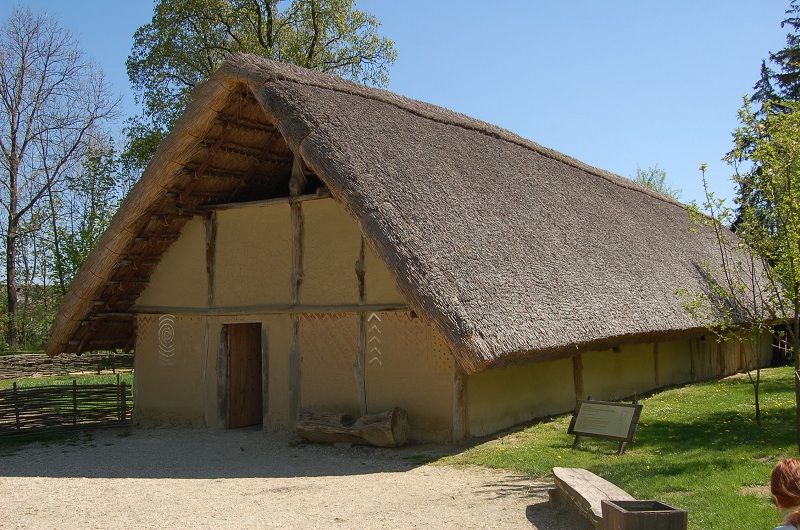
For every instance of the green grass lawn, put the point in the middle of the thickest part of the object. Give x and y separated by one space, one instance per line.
697 448
81 379
19 352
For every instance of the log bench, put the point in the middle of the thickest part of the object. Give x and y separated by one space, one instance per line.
586 490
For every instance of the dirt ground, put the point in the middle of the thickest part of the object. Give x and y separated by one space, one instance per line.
244 478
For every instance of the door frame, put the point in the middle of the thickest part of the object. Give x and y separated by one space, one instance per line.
224 372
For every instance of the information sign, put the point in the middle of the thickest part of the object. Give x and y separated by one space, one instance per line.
606 419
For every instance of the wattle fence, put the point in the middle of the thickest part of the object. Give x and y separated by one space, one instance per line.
64 407
41 365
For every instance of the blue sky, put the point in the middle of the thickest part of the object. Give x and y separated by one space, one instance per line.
615 84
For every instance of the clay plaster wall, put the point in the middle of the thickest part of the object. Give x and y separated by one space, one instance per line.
409 366
674 363
253 264
405 367
169 369
331 248
611 375
379 287
253 261
180 279
503 397
279 343
329 348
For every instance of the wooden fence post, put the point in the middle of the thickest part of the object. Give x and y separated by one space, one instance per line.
119 399
16 406
74 402
124 409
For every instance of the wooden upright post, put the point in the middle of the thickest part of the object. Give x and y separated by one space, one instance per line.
124 402
359 367
16 405
459 405
74 402
295 377
577 376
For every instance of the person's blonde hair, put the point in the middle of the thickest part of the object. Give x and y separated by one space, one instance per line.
785 487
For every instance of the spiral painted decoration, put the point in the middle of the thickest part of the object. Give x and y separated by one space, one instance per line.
166 339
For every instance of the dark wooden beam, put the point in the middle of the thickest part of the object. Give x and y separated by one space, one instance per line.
166 238
113 316
182 212
248 125
98 342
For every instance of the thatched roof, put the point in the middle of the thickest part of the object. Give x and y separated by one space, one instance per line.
513 251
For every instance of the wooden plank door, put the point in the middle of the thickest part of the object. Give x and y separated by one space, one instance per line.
245 399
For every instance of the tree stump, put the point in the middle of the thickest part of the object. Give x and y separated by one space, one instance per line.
387 429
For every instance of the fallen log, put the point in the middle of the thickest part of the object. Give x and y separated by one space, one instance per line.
387 429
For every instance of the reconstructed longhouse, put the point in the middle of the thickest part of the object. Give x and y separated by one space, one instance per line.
303 241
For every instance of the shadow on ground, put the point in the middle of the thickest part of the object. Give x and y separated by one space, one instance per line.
351 482
203 453
545 517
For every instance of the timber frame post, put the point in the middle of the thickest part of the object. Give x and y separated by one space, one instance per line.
210 223
265 421
655 365
295 376
460 427
222 375
577 377
359 368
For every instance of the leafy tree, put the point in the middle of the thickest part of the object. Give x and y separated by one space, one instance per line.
656 178
759 282
737 292
187 40
82 209
773 88
52 101
766 155
37 300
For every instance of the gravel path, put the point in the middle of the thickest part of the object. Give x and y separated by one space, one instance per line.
193 478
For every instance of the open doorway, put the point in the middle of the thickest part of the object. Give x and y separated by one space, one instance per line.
244 377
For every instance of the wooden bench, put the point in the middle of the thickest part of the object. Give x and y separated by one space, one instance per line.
586 490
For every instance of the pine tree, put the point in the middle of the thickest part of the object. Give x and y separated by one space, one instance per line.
788 59
772 92
764 92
